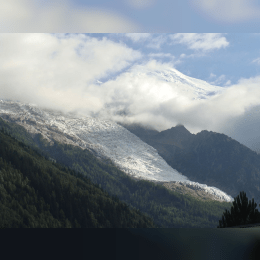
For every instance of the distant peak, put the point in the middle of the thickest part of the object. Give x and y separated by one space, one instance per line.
205 132
179 128
179 125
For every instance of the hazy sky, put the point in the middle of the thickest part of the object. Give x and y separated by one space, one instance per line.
107 73
114 16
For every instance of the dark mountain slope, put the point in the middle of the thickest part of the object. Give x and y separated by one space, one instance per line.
37 193
208 157
178 136
166 208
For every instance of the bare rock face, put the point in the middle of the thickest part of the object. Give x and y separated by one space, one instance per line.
177 136
106 138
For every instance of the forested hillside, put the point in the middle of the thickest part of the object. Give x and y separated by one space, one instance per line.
34 192
166 208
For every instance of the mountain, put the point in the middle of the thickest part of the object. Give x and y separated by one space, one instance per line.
167 208
188 207
169 84
106 139
207 157
148 89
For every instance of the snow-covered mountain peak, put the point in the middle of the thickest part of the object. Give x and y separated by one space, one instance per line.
169 82
106 138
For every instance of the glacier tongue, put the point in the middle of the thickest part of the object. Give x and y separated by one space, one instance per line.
106 138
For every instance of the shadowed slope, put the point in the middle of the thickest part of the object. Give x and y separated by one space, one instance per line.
208 157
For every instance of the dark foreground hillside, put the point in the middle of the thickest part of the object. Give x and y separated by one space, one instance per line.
207 157
34 192
166 208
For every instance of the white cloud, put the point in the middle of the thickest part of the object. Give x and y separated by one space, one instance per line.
136 37
157 42
241 103
59 71
140 4
155 103
161 55
60 16
193 55
154 41
228 83
219 80
200 41
257 60
228 11
159 104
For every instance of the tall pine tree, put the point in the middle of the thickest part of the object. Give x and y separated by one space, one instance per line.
242 212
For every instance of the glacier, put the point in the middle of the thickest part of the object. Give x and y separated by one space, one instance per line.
105 138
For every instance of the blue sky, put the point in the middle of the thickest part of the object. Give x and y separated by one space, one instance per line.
154 16
185 15
223 65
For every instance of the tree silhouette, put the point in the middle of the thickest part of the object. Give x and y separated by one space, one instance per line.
242 212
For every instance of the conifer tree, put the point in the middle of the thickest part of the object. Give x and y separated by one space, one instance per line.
242 212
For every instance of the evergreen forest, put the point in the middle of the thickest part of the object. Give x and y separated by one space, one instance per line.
35 193
242 212
80 190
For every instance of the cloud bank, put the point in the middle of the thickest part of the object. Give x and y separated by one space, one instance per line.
228 11
60 16
195 41
201 41
140 4
62 72
137 37
59 70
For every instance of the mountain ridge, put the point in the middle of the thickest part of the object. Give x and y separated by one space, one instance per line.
211 158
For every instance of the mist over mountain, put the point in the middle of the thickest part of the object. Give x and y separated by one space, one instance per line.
107 76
